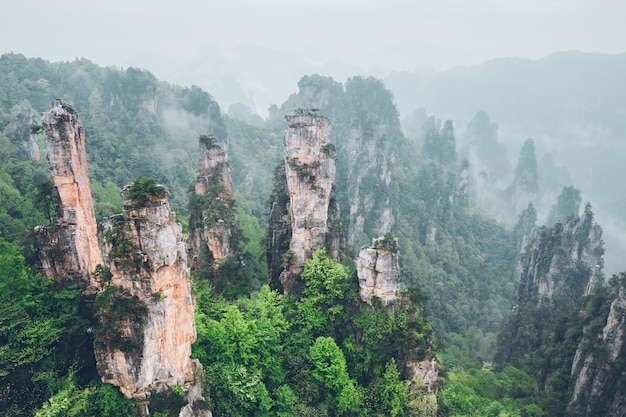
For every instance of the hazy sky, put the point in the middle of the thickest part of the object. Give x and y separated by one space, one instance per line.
390 34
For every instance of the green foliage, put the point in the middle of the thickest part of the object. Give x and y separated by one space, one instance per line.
144 190
94 400
37 323
329 368
121 317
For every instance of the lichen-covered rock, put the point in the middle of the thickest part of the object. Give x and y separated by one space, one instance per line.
378 271
69 248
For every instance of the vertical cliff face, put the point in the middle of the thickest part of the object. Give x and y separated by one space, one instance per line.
212 223
146 309
599 367
147 258
144 302
378 270
310 173
369 162
26 135
69 248
557 267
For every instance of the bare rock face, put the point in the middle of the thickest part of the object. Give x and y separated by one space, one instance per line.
149 323
367 154
599 381
310 173
25 135
144 301
212 222
378 271
69 248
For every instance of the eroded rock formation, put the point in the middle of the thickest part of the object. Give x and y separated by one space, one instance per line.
212 222
310 173
378 270
557 267
598 369
70 247
144 302
146 342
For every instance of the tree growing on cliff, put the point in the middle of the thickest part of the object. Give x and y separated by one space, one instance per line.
145 189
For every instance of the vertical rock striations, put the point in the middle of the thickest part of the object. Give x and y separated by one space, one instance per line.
557 267
69 248
212 224
599 366
378 270
310 173
144 302
147 308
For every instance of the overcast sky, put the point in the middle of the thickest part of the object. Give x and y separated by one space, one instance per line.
390 34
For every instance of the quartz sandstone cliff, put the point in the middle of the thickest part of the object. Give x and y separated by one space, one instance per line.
70 247
212 224
310 173
598 370
147 257
558 266
144 265
378 272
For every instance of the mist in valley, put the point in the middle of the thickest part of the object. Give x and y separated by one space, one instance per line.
489 138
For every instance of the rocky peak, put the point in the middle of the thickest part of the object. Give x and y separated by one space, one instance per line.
310 173
212 223
70 247
558 266
378 270
598 373
146 340
143 291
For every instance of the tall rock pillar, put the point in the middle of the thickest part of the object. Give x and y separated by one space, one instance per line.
310 172
212 222
69 248
146 310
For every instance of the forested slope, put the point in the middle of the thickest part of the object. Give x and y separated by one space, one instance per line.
323 353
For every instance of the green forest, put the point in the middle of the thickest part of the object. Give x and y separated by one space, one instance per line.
471 297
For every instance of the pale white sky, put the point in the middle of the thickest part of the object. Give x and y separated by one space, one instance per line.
391 34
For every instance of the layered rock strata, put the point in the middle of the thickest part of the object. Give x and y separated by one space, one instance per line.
151 350
310 173
144 301
212 224
378 271
70 247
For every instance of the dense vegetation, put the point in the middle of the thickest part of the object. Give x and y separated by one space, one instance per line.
321 353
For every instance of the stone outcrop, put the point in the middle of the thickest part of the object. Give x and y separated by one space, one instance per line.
70 247
378 270
599 373
138 271
212 223
369 162
26 135
149 350
558 266
310 173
